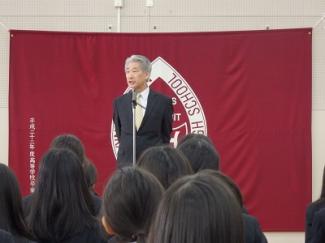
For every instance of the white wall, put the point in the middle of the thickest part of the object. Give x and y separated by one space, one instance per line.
170 16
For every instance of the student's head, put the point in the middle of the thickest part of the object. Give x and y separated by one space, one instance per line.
70 141
129 202
166 163
194 135
198 208
61 195
137 71
230 183
200 152
11 212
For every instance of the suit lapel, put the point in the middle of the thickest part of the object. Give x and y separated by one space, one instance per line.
150 104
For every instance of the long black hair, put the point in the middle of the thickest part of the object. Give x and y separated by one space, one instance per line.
61 202
230 183
198 208
11 211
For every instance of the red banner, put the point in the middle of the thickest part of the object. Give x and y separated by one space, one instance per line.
250 91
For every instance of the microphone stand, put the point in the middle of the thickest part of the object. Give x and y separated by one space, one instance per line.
134 140
134 104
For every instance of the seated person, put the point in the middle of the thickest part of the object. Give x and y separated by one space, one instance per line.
198 208
129 204
61 203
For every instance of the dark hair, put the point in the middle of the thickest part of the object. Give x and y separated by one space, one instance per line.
230 183
61 204
194 135
200 151
90 173
198 208
11 211
129 203
72 142
166 163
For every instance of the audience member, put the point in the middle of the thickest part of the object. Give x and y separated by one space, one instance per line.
61 203
198 208
200 152
11 212
73 143
166 163
129 204
252 229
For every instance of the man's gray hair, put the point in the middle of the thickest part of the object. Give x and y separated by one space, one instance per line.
145 63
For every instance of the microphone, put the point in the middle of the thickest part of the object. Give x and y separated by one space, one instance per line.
134 98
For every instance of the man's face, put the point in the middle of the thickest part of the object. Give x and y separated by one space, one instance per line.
136 78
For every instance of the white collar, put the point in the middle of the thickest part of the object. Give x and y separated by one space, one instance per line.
145 93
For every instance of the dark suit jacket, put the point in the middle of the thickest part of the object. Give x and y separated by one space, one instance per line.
318 227
312 209
155 128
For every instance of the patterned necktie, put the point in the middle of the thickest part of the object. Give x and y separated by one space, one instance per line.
138 112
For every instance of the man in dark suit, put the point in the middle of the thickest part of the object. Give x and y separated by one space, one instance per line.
153 112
